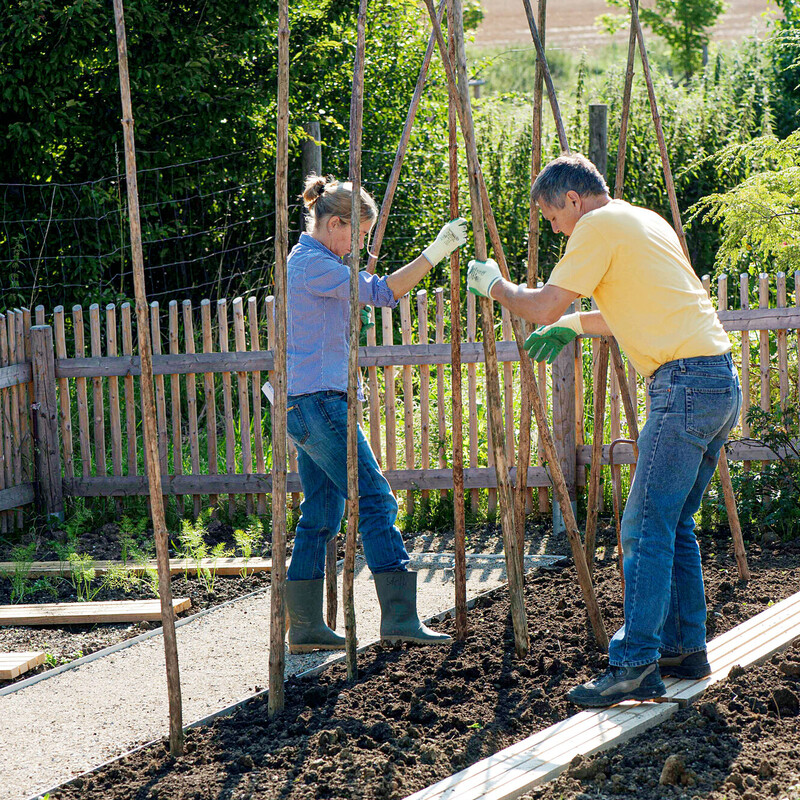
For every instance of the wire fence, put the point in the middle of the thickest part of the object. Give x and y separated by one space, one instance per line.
207 228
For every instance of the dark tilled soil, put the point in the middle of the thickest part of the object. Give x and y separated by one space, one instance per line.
741 740
417 715
65 644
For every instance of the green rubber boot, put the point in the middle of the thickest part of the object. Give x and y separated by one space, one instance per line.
307 630
397 594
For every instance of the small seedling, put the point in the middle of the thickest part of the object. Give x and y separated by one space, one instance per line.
248 540
82 575
20 577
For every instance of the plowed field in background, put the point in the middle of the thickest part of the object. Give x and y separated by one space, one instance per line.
571 23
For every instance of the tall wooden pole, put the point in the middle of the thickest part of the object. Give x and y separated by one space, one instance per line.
619 176
559 485
460 533
551 91
525 414
279 444
724 471
148 398
494 402
356 119
402 147
600 378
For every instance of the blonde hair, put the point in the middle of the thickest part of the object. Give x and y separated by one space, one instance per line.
326 197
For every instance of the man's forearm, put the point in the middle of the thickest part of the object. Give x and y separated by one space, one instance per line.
539 306
594 325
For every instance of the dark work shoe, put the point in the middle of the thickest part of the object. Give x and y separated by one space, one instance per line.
684 665
617 684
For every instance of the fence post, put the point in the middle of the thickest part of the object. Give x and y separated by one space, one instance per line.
564 427
311 149
48 460
598 137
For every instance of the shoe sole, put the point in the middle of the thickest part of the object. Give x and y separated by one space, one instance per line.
296 649
391 640
612 700
685 674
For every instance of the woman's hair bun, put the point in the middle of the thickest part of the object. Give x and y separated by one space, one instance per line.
314 189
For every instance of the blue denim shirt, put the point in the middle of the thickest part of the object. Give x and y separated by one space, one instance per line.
318 332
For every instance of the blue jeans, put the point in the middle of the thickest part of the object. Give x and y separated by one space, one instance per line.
317 424
694 403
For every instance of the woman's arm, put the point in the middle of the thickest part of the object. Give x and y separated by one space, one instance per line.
403 280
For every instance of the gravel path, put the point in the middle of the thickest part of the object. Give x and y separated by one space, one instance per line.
82 717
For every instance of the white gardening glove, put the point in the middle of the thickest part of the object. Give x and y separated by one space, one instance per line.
451 236
482 275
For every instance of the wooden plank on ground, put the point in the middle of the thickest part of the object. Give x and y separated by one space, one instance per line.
88 613
745 645
543 756
177 566
513 771
14 664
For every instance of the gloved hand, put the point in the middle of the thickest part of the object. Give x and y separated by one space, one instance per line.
482 275
366 323
547 341
451 236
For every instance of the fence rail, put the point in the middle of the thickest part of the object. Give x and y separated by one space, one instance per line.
70 424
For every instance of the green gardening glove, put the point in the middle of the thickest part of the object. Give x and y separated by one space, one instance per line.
366 323
546 342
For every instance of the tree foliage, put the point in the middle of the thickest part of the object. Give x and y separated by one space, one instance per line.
683 24
759 218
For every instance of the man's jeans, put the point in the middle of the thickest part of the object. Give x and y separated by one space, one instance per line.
694 403
317 424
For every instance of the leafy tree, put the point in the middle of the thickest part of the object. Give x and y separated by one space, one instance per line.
759 218
683 24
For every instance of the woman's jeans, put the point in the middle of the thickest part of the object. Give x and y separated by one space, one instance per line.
317 424
694 403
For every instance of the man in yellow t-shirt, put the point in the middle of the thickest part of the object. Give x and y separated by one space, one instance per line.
630 260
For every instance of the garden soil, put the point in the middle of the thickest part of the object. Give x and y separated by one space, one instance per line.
415 716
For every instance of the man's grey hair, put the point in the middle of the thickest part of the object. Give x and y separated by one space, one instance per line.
566 173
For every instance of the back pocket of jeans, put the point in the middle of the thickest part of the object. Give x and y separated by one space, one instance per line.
296 425
707 410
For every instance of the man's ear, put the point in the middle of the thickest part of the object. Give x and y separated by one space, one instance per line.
573 197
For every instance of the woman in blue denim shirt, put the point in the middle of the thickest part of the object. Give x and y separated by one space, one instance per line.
317 355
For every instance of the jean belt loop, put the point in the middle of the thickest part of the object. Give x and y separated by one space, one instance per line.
682 362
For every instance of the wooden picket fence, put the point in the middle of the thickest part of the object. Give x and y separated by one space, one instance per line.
71 426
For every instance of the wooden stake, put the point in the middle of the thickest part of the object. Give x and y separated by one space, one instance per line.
592 504
559 485
279 381
515 576
622 146
551 92
459 511
148 401
394 176
724 472
356 119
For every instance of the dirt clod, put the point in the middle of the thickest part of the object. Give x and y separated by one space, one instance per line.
673 771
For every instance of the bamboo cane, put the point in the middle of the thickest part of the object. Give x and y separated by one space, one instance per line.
592 504
279 443
724 472
557 477
627 400
460 535
394 177
356 118
148 398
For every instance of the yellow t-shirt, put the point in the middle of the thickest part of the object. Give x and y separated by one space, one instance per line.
630 260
